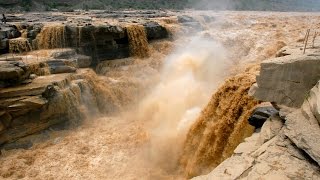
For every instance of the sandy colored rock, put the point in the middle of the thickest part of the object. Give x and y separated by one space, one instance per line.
13 73
287 80
303 125
270 129
275 159
231 168
37 87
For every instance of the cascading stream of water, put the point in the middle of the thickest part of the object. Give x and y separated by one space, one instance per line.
188 78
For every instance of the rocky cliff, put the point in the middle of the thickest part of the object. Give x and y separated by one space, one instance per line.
102 42
43 83
287 146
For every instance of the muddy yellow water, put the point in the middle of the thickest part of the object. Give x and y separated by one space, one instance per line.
174 117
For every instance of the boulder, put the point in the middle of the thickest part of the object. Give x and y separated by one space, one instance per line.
185 19
13 73
33 30
84 61
287 80
155 31
7 32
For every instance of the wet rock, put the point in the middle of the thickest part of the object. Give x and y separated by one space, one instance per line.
155 31
287 80
260 115
185 19
1 127
17 145
37 87
33 30
13 73
208 18
4 45
31 34
60 66
7 32
6 119
47 101
62 69
63 54
13 18
84 61
50 92
99 42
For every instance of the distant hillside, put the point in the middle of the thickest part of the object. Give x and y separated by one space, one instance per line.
259 5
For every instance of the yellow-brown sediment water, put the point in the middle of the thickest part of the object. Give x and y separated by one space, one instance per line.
117 147
138 42
221 127
19 45
52 37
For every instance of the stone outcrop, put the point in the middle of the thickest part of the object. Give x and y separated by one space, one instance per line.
36 106
303 125
287 80
47 101
287 146
155 31
100 42
50 88
51 101
13 73
7 32
267 155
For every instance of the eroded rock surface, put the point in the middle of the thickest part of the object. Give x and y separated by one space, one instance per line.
287 147
269 155
287 80
13 73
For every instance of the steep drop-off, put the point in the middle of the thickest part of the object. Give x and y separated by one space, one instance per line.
52 37
138 41
222 125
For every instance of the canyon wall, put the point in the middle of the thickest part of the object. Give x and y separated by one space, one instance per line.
101 42
287 146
